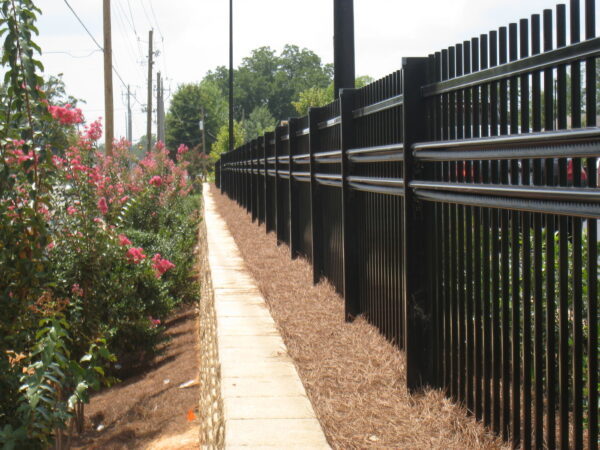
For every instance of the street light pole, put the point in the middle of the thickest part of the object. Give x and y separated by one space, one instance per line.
343 45
231 137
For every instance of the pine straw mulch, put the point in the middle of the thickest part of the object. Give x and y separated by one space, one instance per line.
144 410
353 376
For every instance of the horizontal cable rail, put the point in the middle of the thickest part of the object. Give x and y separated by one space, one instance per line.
551 59
383 105
535 192
380 153
591 211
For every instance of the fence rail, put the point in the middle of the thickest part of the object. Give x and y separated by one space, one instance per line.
455 204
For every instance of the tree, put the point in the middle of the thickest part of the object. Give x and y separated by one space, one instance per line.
267 79
185 112
313 97
52 133
258 122
316 96
221 144
139 148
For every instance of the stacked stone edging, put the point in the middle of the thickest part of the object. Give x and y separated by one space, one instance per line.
212 422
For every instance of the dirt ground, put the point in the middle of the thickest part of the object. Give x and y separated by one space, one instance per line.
149 410
352 375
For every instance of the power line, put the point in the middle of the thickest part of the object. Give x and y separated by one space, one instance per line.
132 20
96 42
121 23
83 25
155 20
146 14
162 38
72 55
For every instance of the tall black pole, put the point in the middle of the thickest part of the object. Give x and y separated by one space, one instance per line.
231 137
343 45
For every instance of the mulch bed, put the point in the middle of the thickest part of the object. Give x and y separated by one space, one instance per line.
145 410
353 376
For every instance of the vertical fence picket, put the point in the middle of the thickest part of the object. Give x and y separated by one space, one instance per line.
279 194
292 128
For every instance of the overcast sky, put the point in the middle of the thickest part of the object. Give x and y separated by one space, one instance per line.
192 37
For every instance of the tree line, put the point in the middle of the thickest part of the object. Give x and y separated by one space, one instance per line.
268 86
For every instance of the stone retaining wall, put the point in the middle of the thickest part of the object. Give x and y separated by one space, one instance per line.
212 423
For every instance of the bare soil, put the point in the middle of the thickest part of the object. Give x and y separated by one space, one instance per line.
149 410
353 376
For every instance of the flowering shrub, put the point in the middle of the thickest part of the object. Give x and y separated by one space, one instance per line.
65 114
95 251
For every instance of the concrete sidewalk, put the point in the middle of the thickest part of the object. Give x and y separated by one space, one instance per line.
265 404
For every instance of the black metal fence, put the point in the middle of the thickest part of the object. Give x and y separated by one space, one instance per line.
455 204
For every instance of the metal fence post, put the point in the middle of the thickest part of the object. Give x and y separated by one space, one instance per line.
315 208
269 225
254 180
418 326
247 176
262 188
352 308
279 219
293 218
239 176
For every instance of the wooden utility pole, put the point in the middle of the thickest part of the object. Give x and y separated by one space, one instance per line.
149 106
129 120
160 109
108 85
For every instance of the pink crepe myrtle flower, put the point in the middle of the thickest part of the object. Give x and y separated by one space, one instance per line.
71 210
154 322
76 290
102 205
66 115
161 265
136 255
124 198
123 240
22 157
183 149
155 181
93 132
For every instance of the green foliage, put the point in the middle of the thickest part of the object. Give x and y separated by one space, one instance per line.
316 96
221 144
258 122
140 147
265 78
185 112
52 387
172 235
313 97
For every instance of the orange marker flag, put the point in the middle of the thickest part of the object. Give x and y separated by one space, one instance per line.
190 415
